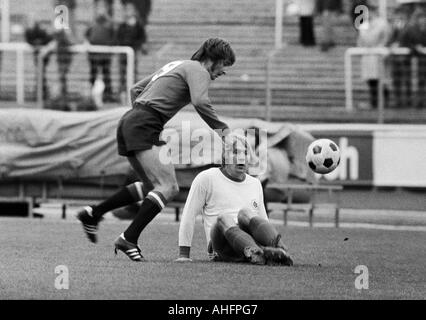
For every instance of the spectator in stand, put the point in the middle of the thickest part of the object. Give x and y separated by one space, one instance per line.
400 65
64 40
101 33
306 22
414 37
130 33
329 10
38 36
372 34
104 6
143 8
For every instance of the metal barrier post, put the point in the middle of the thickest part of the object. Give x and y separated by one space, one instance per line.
381 103
20 89
20 48
279 6
268 90
5 20
40 75
130 70
348 80
381 52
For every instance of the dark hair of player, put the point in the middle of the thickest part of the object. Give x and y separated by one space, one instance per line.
216 50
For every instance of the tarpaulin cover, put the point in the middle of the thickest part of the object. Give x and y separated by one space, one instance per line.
45 144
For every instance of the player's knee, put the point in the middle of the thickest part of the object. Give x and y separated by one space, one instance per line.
223 221
221 218
244 215
244 212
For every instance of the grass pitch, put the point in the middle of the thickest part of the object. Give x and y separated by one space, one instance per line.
325 260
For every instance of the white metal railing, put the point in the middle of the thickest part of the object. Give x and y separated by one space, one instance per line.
382 52
5 20
20 48
84 48
268 90
279 8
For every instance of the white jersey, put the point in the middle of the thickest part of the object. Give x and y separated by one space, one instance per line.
211 194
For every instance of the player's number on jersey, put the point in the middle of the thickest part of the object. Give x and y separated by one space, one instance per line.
166 69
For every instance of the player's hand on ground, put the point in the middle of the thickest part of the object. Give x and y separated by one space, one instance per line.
183 259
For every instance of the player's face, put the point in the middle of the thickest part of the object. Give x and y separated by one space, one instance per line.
237 161
216 70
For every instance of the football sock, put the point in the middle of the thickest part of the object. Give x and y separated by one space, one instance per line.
239 239
150 207
125 196
262 231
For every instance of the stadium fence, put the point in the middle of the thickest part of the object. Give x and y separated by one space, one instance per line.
27 73
399 75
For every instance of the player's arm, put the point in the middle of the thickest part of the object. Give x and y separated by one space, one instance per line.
138 87
194 205
198 82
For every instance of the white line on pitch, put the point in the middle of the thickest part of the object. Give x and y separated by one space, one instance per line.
353 225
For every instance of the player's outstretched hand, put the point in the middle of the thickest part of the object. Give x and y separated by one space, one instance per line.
183 259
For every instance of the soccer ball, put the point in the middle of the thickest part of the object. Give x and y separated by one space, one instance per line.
323 156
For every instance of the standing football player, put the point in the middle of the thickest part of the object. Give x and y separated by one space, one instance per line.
230 201
155 100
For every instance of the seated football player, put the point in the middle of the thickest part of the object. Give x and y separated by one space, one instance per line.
230 201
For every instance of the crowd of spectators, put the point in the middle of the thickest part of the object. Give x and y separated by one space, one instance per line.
329 11
106 30
373 33
404 76
405 28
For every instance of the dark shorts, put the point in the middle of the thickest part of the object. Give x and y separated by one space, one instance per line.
222 247
139 129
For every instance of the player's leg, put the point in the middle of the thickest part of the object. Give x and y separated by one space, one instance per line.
127 195
265 234
260 229
234 244
219 248
166 188
91 215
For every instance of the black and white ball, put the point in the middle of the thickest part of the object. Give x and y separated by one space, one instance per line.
323 156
